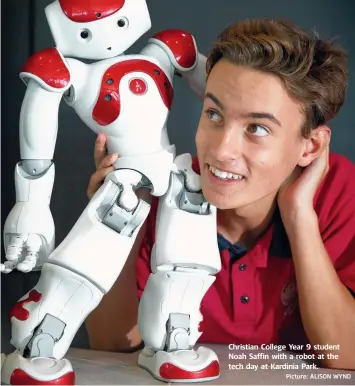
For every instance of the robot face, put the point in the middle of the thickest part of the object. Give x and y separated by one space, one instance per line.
97 29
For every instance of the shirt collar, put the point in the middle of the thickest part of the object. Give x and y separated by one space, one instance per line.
274 242
279 245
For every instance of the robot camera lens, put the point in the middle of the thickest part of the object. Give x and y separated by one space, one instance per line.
98 14
84 34
121 23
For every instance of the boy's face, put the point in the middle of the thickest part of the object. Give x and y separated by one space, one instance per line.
250 128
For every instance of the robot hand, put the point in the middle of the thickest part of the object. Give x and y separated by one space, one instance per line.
23 253
29 227
28 237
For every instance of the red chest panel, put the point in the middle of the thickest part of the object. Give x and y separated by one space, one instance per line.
49 66
84 11
108 106
21 313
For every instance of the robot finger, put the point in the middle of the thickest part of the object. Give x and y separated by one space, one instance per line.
33 245
8 266
15 248
28 263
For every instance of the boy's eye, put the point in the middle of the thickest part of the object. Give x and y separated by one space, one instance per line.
257 130
213 115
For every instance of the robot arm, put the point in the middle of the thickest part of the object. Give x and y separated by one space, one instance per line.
178 48
196 78
29 228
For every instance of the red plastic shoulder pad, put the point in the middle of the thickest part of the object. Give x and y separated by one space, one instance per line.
182 46
48 66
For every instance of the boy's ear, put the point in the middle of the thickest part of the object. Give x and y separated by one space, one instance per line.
318 140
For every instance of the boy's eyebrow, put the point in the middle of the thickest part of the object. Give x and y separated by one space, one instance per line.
256 115
214 99
262 115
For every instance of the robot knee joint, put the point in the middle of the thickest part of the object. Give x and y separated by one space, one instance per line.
114 215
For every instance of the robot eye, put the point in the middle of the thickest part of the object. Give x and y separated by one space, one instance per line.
121 23
85 34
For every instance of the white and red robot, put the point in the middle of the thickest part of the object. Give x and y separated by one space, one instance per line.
128 97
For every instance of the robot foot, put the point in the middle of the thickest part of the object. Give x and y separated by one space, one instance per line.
188 366
17 370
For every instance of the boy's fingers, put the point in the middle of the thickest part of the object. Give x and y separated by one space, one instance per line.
108 161
100 149
97 179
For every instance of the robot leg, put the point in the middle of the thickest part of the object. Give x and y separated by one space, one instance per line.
169 321
77 275
183 270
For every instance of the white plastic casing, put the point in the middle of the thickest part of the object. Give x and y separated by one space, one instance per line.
34 188
31 213
169 292
178 228
39 121
138 136
92 249
103 33
182 268
66 296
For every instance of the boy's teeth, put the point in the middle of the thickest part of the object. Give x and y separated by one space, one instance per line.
225 175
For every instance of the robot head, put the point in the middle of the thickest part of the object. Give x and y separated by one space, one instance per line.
97 29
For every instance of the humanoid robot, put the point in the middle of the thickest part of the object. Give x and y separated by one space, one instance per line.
128 97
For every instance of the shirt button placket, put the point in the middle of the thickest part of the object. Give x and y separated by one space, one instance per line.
243 277
242 267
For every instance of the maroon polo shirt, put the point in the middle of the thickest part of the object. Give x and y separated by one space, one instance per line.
254 297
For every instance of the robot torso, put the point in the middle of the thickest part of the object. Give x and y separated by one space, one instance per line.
126 97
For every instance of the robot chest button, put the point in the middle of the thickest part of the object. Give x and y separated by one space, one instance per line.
138 86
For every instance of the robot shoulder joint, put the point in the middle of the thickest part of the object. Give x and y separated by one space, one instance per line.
180 46
49 68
